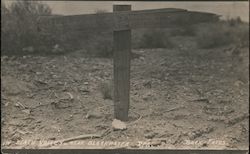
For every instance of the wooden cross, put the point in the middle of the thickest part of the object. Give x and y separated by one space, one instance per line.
121 21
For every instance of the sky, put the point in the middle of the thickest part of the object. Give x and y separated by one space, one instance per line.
225 9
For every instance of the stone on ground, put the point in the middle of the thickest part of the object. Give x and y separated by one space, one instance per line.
118 125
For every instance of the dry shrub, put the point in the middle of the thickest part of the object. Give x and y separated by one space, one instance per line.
155 39
183 31
19 26
222 33
106 89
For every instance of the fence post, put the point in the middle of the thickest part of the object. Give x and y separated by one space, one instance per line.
121 61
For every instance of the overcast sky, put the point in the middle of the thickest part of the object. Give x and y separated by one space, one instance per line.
226 9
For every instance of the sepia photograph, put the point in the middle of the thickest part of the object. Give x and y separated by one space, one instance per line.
125 75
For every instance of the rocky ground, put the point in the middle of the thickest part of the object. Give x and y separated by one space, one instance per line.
178 95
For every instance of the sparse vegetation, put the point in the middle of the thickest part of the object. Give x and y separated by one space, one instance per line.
235 21
222 33
19 26
184 31
101 45
21 32
155 39
106 89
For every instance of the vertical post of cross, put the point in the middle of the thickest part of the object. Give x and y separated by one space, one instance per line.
121 61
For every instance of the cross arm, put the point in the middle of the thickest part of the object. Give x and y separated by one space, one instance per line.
157 18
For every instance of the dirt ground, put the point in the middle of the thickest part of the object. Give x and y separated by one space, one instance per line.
177 95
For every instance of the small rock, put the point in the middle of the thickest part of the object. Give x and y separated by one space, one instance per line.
118 125
71 97
52 138
16 137
17 105
54 76
85 83
155 143
147 84
41 81
38 73
141 51
216 118
59 130
238 83
142 58
27 111
84 89
150 135
147 96
193 135
38 121
7 104
21 132
57 49
134 145
93 114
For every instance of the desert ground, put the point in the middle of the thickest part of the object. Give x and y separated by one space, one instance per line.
177 95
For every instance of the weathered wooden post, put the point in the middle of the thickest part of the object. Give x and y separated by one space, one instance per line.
121 60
